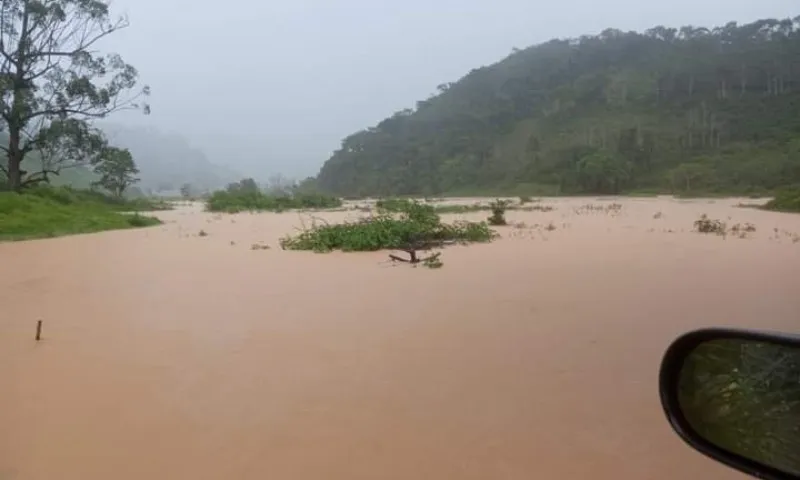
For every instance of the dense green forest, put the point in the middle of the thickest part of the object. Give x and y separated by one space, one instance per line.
689 110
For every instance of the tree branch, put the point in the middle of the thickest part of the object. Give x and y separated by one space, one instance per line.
32 179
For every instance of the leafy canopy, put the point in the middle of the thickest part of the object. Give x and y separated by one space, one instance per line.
53 83
117 171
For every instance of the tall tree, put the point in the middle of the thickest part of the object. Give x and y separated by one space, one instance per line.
53 83
117 170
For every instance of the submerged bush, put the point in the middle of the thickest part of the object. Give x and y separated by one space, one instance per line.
393 204
708 225
414 226
475 207
498 208
233 201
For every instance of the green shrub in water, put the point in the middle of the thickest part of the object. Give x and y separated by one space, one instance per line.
415 225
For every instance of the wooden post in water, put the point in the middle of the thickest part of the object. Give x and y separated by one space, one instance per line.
38 330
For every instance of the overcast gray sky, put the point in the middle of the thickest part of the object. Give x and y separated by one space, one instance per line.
269 86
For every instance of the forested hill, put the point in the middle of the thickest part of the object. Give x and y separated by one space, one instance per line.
689 109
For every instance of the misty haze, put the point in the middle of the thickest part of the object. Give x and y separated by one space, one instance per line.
273 87
388 240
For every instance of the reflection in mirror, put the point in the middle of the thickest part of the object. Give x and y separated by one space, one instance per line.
744 397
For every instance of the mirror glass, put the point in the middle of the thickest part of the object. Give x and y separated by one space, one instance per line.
744 397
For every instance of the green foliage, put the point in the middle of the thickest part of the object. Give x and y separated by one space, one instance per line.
401 204
689 111
415 226
393 204
498 208
117 171
475 207
245 196
137 220
244 186
53 84
49 212
72 196
603 172
434 261
785 201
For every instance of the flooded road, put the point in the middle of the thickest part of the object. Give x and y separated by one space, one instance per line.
167 354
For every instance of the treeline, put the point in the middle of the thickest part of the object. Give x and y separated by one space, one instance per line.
689 110
247 195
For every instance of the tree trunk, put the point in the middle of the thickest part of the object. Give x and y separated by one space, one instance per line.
15 125
14 160
14 176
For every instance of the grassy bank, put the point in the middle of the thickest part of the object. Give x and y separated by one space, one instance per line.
243 201
73 196
785 201
51 212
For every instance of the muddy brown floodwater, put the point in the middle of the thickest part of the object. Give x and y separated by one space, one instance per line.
168 355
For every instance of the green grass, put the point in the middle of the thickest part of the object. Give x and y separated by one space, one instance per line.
72 196
412 224
785 201
241 201
47 212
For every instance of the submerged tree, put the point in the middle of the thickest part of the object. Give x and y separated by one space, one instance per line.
53 84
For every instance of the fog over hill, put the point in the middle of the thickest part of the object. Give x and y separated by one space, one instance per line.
168 160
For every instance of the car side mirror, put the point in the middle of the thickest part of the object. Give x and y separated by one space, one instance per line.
734 395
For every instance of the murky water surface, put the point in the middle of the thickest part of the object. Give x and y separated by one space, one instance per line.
176 356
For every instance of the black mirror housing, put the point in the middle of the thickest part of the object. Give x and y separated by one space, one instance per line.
734 395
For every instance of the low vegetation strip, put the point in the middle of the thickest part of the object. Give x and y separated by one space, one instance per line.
399 204
785 201
412 226
240 201
51 212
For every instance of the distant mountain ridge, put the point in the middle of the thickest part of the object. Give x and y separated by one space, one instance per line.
684 110
167 160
